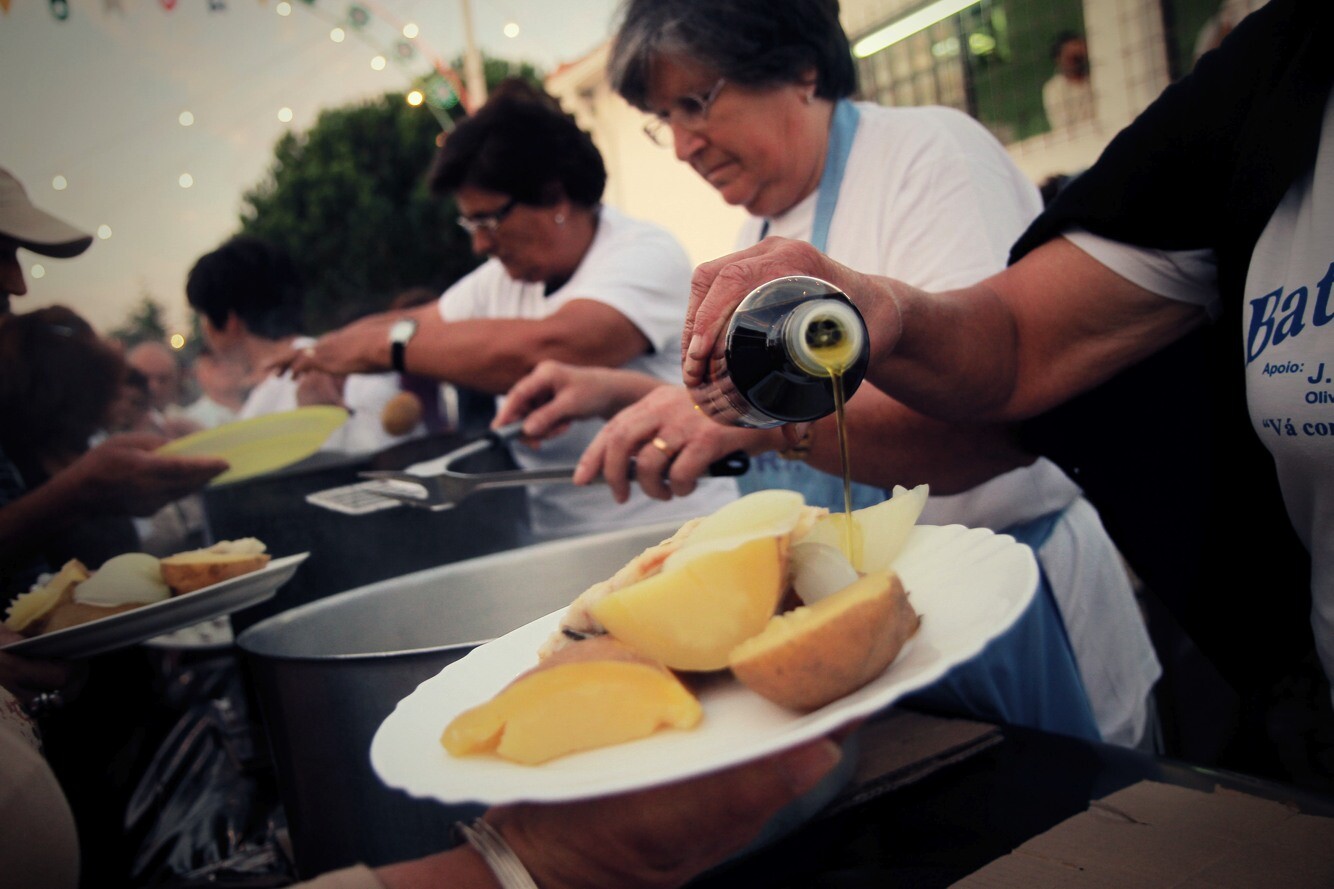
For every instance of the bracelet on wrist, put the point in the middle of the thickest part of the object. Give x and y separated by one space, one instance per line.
487 842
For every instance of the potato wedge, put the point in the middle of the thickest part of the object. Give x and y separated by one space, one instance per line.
818 653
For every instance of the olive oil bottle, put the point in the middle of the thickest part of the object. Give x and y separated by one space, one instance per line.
787 349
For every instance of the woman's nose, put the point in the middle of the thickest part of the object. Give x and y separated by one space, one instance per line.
686 142
483 242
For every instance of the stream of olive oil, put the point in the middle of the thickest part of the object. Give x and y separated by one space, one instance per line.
835 358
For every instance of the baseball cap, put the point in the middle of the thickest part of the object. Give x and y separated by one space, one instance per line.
35 229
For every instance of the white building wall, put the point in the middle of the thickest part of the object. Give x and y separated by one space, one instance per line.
1128 65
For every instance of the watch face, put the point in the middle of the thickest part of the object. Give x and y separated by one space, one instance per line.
402 330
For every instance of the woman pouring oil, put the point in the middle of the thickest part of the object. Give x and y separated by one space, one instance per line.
924 194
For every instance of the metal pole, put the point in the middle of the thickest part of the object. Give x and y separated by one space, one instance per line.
474 79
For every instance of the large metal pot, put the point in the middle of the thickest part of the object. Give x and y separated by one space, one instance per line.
329 672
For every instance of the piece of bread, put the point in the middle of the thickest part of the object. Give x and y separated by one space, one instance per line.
196 569
818 653
31 611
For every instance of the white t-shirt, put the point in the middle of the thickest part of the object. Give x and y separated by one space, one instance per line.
931 198
1067 102
365 396
208 413
1288 342
639 270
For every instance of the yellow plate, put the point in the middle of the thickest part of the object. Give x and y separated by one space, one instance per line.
261 444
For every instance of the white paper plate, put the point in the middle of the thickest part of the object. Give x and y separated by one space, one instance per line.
261 444
969 585
130 627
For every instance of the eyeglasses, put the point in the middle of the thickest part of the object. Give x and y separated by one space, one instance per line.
487 222
690 112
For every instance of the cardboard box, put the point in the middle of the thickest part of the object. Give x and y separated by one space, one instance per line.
1155 836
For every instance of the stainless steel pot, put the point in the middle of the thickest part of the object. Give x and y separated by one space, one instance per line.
327 674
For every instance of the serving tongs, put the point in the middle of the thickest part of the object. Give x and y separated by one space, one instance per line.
449 487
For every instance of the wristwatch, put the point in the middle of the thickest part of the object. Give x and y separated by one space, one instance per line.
400 334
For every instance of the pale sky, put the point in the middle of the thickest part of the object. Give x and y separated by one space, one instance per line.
97 99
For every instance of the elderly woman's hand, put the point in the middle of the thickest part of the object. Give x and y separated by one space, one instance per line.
720 285
671 443
555 394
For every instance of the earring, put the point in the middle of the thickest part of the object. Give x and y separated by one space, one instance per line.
809 97
560 218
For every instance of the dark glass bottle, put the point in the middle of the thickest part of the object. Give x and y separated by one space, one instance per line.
775 361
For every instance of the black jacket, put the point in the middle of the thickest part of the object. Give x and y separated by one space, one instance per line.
1166 450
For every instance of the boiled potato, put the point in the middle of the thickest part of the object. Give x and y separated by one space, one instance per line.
591 694
690 618
196 569
878 532
818 653
130 578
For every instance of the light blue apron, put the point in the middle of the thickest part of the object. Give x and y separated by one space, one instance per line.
1028 676
769 470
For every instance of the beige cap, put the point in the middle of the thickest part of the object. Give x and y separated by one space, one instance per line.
34 229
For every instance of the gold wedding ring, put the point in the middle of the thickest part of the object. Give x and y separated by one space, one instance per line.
662 446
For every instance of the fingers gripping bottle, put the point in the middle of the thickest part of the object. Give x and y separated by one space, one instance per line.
789 343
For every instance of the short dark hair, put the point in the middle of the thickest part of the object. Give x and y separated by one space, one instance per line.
58 379
521 144
755 43
252 278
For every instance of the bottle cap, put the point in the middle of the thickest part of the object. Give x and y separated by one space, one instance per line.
824 336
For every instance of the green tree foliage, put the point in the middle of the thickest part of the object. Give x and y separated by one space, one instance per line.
348 199
144 322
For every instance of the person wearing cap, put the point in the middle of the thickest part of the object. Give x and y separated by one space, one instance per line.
23 225
120 475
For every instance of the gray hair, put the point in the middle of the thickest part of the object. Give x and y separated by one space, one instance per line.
755 43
